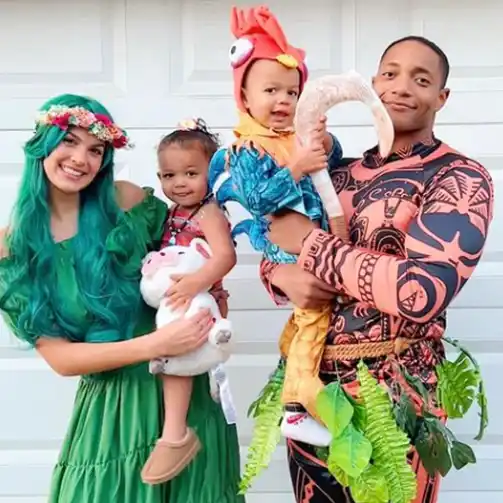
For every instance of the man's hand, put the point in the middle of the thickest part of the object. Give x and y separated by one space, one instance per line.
302 288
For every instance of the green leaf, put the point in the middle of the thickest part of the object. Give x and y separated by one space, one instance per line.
457 386
334 408
370 487
267 412
269 392
481 395
359 413
406 417
350 451
340 475
390 445
483 414
462 455
321 453
433 448
417 385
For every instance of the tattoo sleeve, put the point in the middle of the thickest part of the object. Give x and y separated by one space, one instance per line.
444 243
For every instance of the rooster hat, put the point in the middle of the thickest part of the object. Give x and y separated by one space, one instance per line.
259 36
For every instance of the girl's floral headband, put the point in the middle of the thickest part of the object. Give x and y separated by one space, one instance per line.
98 125
196 124
199 125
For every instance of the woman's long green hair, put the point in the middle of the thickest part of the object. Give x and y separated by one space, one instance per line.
107 287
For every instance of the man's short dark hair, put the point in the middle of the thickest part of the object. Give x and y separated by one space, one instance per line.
444 62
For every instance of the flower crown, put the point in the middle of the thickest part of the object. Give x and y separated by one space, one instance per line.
98 125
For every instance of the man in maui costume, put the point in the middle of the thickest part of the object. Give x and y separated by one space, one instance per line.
418 222
253 172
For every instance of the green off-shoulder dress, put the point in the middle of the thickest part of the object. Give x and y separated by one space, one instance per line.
117 416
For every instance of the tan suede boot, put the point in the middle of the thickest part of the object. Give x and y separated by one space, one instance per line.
168 459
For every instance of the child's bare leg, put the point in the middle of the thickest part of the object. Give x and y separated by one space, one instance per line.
178 444
223 307
176 392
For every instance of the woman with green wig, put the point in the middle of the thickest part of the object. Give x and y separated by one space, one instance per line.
70 263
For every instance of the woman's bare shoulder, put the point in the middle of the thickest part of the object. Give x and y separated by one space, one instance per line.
129 194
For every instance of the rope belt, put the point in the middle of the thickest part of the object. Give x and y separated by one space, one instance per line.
343 352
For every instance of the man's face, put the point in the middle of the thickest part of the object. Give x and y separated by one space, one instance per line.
410 84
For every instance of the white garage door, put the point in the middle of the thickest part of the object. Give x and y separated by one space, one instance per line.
153 62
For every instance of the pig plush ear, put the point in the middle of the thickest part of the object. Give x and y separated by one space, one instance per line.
201 246
147 257
145 262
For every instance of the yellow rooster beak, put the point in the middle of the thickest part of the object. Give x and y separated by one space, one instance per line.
287 60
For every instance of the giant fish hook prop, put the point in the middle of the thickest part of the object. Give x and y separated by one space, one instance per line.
319 96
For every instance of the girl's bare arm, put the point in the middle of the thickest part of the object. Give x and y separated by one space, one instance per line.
215 227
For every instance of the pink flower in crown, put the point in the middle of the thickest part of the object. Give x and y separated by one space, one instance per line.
103 119
61 121
84 118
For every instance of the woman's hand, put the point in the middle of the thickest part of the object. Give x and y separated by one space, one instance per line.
289 230
182 336
302 288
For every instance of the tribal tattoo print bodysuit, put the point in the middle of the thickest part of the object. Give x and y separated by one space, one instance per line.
418 223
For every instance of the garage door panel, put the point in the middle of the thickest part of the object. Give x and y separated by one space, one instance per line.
152 79
153 63
205 66
91 60
474 68
46 403
481 327
26 474
468 55
8 188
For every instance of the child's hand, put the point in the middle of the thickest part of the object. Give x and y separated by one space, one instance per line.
320 130
181 293
308 159
321 136
327 139
313 157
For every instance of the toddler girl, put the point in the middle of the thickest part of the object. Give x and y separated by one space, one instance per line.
183 158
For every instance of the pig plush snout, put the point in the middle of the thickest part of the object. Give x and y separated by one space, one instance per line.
160 259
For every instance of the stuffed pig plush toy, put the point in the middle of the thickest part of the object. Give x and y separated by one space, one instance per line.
156 271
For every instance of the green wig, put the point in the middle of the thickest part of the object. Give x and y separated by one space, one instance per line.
107 283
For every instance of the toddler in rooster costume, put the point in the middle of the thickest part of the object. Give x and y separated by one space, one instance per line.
262 171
